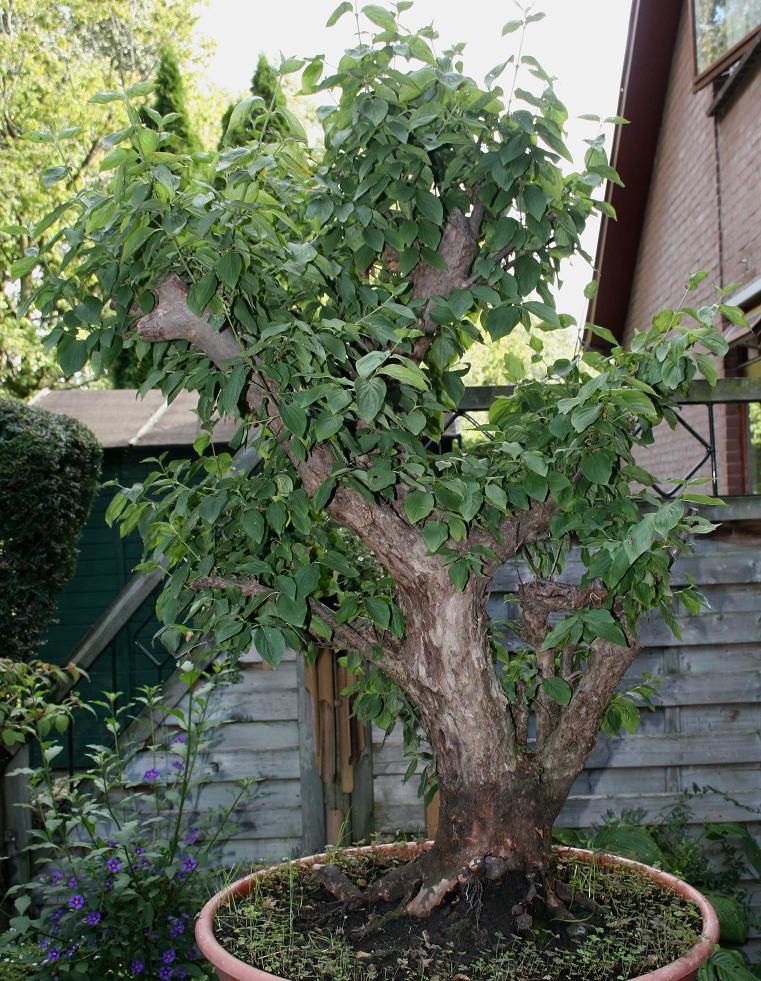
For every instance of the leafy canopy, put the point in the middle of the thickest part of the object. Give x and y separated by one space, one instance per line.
354 280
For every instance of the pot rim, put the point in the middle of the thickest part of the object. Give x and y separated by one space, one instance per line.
224 961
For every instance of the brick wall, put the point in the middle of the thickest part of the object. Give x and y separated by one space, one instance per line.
704 212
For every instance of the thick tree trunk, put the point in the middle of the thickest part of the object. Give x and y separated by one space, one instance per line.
495 804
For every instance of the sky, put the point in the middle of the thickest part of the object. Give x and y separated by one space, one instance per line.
581 42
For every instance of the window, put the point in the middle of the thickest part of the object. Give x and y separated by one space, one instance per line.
722 27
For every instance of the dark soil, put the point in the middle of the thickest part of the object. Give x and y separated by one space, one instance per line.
293 928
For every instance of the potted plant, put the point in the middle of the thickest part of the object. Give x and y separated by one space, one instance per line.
328 301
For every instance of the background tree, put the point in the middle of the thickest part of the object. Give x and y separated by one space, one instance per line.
440 213
51 55
169 100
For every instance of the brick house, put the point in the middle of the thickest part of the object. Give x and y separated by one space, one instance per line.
690 160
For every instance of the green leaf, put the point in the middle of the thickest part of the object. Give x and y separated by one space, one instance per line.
407 374
367 364
327 425
415 421
557 689
371 394
293 611
270 644
511 27
253 525
294 125
294 417
380 16
435 533
708 366
23 266
496 496
376 110
459 573
228 269
378 610
343 8
630 842
418 505
200 293
602 624
242 110
583 416
545 313
430 206
535 200
733 918
72 355
597 466
501 320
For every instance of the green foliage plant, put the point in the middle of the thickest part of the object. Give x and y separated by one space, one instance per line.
124 861
324 300
49 468
35 698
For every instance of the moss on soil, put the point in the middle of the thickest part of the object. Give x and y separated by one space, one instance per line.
291 927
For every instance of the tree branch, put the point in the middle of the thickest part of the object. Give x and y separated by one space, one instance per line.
391 538
172 320
574 737
540 598
345 637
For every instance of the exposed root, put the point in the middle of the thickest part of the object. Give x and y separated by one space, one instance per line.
573 896
398 883
339 884
545 896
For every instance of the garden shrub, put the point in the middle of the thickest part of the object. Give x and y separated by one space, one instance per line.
123 862
49 468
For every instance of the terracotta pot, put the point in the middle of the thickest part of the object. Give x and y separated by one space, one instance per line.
229 968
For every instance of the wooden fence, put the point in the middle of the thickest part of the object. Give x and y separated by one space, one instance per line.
705 733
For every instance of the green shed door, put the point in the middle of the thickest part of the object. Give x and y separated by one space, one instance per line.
105 564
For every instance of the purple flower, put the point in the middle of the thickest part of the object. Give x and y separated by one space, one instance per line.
56 876
139 850
178 765
54 953
113 865
108 884
77 901
136 967
93 917
190 864
44 943
111 843
56 915
72 950
165 973
144 863
177 927
151 774
193 835
182 973
180 738
168 956
73 880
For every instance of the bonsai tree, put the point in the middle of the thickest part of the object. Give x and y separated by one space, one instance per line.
327 300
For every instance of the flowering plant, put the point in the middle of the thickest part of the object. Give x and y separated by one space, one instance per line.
126 861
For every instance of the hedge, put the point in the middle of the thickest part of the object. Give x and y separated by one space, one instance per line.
49 469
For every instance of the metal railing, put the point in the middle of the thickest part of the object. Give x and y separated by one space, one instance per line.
727 391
